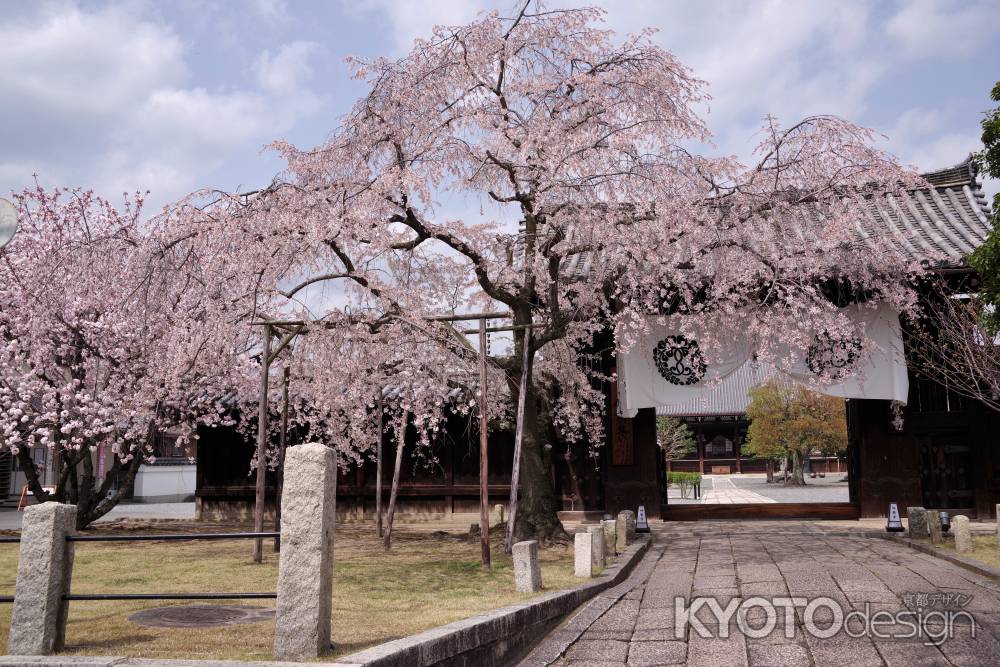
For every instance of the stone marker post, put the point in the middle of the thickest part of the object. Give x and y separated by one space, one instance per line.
583 547
610 539
629 525
597 546
916 519
621 531
963 534
527 572
934 526
305 569
44 569
998 526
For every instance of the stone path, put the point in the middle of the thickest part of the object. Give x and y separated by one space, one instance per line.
634 623
724 491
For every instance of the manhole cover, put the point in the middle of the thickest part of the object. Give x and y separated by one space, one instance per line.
200 616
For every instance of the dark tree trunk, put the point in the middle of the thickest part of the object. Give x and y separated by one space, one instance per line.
796 478
537 505
75 489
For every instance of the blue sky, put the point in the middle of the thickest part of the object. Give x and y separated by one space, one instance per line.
174 96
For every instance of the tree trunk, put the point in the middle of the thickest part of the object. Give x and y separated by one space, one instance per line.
770 471
796 478
537 505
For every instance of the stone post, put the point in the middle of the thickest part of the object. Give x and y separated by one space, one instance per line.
44 570
963 535
583 547
305 569
934 526
597 546
629 525
527 572
621 531
998 526
610 539
916 519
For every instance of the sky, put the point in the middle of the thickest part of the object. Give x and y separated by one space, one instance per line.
175 96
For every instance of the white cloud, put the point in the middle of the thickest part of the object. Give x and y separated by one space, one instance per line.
942 28
288 69
105 99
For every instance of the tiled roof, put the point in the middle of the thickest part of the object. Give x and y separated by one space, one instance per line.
941 224
730 396
949 220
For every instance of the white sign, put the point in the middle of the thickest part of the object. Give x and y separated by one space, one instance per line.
894 525
8 221
641 525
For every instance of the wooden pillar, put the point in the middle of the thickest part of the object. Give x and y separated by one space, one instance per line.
258 509
282 443
378 462
701 449
737 445
484 462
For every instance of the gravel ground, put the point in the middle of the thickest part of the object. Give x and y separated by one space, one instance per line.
826 490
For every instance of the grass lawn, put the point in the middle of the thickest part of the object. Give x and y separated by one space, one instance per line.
984 549
427 580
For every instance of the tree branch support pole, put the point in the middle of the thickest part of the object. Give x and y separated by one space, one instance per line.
400 444
518 439
281 457
258 510
378 462
484 463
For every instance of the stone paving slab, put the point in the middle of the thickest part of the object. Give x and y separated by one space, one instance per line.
860 574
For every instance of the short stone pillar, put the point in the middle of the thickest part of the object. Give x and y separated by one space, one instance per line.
597 546
622 538
998 526
44 569
916 519
629 525
963 533
305 569
934 526
583 561
610 539
527 571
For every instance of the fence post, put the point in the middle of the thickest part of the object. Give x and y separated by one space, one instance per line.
305 568
44 570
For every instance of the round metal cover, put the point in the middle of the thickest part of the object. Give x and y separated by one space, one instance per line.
201 616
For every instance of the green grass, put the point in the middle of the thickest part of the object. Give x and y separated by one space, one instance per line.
427 580
984 549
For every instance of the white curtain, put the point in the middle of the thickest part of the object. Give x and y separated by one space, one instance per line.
667 367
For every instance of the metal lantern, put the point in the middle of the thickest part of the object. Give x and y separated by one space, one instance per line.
945 522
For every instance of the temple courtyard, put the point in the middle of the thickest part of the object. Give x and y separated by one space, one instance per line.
754 488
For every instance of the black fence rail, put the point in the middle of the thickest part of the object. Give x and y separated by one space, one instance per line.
167 537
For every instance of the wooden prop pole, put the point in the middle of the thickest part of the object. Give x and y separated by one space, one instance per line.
378 463
518 439
258 509
484 463
400 443
283 442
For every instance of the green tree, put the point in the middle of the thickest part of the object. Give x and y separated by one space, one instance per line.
986 258
787 421
674 437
